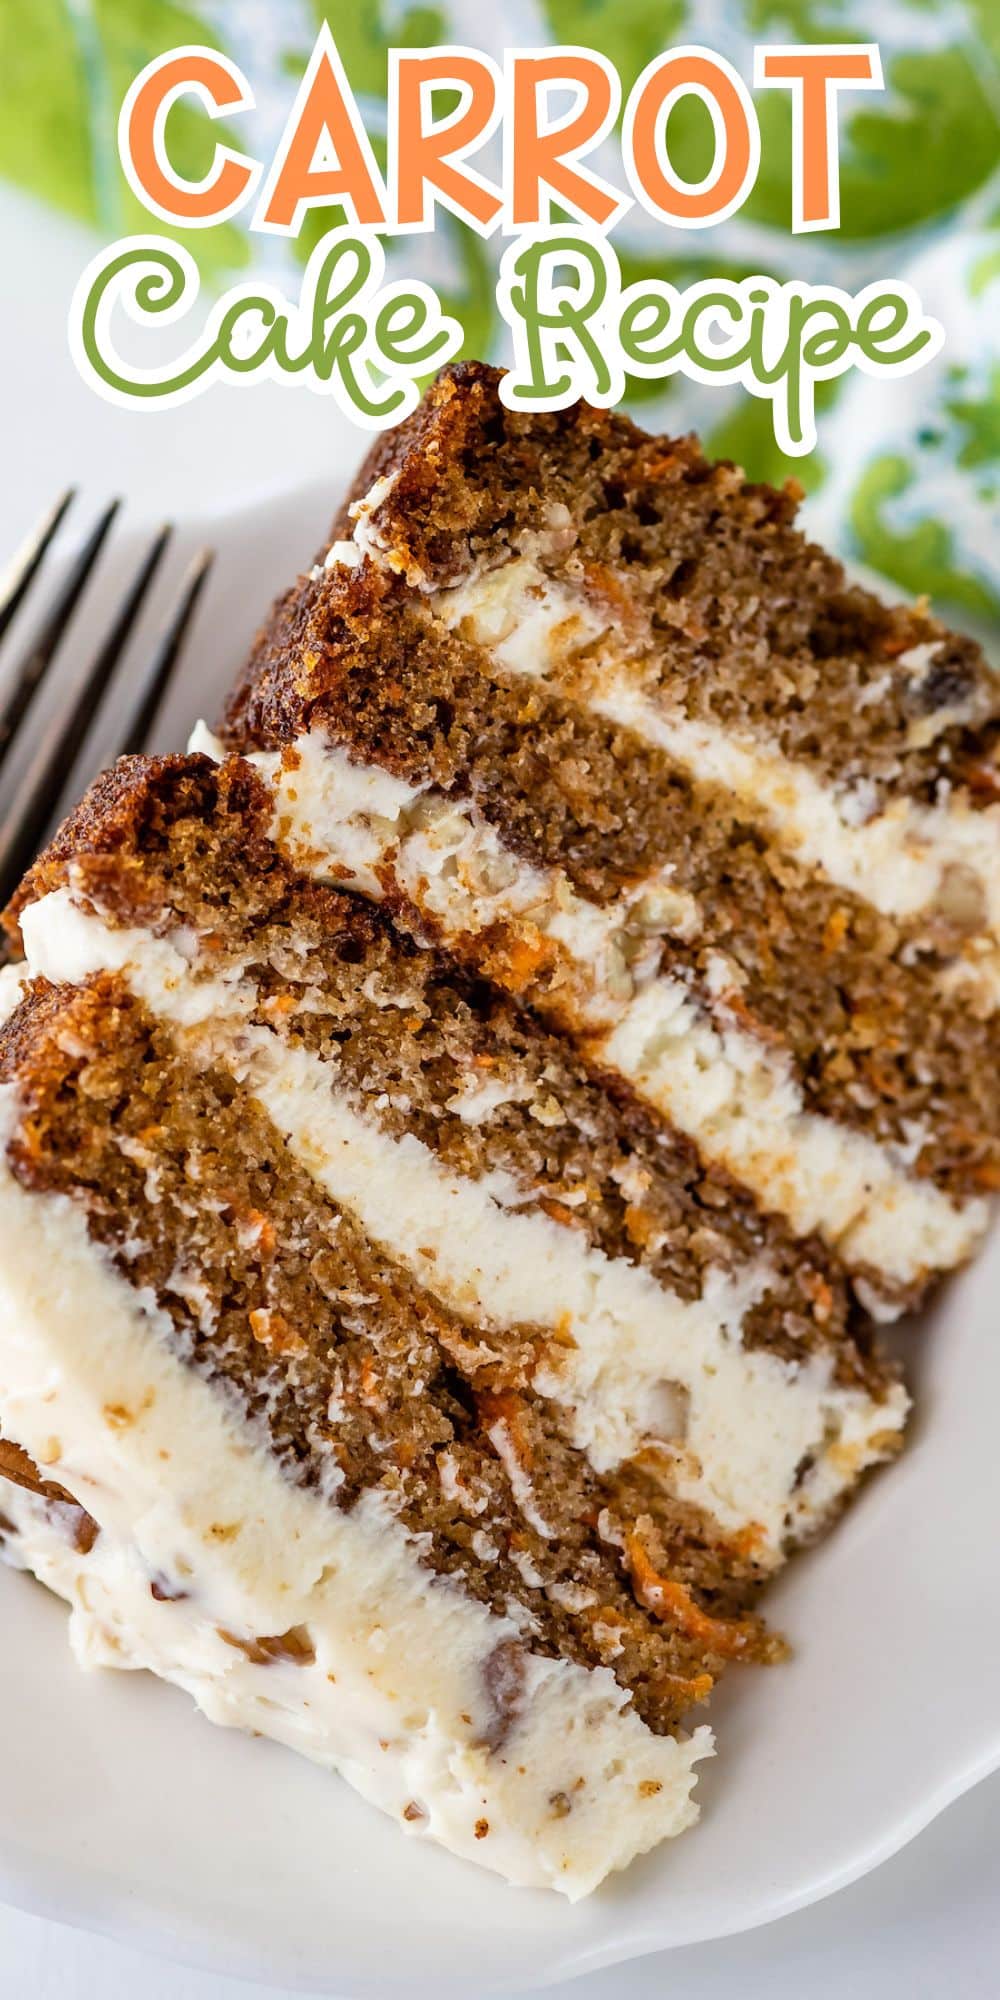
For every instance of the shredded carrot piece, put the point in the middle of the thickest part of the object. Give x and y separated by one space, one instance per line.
254 1219
558 1212
274 1332
606 583
680 1689
655 463
506 1407
371 1386
638 1225
522 958
835 930
817 1289
668 1599
747 1540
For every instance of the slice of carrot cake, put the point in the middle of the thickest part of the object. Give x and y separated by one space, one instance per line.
591 710
371 1370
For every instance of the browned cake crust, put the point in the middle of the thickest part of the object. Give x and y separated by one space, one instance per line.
758 623
118 837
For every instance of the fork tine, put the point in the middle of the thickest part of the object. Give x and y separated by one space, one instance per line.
108 655
49 767
166 655
39 655
18 578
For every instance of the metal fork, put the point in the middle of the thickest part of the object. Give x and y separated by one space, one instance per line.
49 761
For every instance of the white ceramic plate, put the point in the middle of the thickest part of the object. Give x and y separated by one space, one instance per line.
125 1812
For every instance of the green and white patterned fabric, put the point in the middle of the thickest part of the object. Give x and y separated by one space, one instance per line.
906 479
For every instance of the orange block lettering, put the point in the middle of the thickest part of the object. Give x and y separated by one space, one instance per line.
814 76
427 158
324 155
700 73
547 157
222 89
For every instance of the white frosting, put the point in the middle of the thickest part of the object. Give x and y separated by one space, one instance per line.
745 1109
523 616
898 859
346 820
342 555
479 1096
397 1698
366 536
738 1099
749 1419
351 823
11 989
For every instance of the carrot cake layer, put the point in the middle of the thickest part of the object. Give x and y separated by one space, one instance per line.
369 1367
594 714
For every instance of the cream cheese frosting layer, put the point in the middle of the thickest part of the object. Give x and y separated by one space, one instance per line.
389 1678
904 859
750 1422
738 1099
